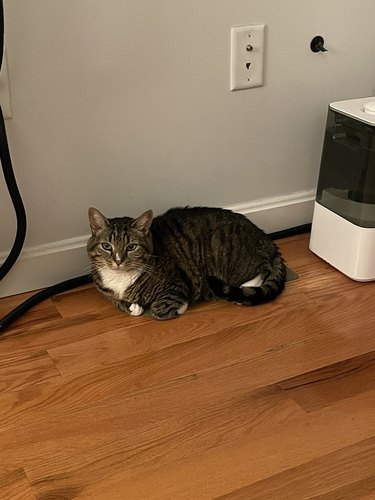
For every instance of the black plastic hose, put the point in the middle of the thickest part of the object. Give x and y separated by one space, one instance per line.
10 179
15 196
42 295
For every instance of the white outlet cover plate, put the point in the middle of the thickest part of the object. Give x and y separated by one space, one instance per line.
247 66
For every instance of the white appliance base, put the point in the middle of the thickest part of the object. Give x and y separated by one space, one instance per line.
347 247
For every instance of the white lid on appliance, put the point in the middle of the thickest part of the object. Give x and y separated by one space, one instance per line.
369 107
361 109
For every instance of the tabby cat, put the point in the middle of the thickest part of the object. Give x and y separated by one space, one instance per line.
184 256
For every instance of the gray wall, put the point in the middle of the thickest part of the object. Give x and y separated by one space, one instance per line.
125 104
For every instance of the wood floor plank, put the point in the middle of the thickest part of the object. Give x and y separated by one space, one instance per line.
323 287
62 331
346 299
8 303
215 378
255 344
363 489
319 388
318 279
21 371
224 468
228 321
299 257
152 368
324 477
80 301
294 247
241 356
43 312
14 484
122 437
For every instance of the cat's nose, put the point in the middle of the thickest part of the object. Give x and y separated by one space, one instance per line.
118 259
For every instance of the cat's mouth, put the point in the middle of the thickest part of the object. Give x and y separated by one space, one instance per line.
115 267
123 267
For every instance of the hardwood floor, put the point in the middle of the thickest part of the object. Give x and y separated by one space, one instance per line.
229 402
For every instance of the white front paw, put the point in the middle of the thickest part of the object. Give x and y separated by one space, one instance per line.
135 309
182 308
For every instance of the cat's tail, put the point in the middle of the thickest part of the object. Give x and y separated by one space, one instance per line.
267 286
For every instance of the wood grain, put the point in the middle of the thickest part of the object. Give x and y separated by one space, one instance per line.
346 473
322 387
20 371
14 485
248 460
275 401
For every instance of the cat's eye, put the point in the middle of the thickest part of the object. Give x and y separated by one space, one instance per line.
107 247
131 247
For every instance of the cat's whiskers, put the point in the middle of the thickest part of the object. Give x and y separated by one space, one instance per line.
143 267
146 268
87 269
91 268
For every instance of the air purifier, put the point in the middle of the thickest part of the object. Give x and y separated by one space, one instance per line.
343 226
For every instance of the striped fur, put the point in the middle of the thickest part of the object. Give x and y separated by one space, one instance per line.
182 257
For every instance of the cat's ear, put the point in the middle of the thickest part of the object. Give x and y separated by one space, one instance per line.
97 220
143 222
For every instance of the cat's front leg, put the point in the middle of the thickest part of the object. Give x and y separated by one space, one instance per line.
131 308
166 307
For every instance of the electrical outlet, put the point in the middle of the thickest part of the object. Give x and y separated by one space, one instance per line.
247 56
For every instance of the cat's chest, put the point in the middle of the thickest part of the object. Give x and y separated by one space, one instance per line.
118 281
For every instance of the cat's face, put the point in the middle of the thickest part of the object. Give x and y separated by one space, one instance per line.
121 243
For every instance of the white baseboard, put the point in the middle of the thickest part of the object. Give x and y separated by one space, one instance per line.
45 265
279 212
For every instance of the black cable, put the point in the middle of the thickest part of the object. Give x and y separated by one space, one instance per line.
40 296
293 231
15 196
10 179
